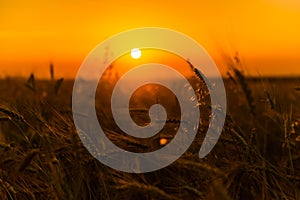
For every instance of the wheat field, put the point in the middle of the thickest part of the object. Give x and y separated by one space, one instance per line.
257 156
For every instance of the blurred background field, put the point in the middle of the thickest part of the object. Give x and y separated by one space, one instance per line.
257 156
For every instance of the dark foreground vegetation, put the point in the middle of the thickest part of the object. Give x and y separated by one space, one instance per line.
257 156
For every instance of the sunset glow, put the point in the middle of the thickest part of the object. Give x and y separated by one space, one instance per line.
35 33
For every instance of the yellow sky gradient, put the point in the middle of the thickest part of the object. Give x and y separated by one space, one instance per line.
266 33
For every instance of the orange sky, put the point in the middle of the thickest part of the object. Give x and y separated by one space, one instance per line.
266 33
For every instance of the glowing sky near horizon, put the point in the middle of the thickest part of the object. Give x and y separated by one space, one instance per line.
35 33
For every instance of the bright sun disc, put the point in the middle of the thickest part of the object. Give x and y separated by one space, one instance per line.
136 53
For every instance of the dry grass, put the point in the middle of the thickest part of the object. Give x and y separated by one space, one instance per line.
257 156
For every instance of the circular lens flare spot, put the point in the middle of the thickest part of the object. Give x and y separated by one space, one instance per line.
163 141
136 53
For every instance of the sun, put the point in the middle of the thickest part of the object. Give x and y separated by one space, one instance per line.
136 53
